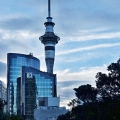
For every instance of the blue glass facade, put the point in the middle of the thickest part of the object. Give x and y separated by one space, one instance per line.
14 63
46 82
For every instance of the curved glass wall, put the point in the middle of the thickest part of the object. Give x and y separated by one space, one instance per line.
46 83
14 63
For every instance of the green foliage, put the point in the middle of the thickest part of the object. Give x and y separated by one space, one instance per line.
108 85
67 116
14 117
4 116
2 104
73 103
86 93
108 110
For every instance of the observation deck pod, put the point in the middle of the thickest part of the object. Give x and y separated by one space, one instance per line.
49 37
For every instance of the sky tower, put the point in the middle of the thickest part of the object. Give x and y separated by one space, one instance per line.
49 39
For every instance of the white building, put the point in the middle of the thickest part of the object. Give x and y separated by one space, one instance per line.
48 101
48 113
50 109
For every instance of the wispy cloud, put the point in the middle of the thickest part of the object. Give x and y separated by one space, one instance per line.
84 74
85 57
2 69
105 45
18 35
87 35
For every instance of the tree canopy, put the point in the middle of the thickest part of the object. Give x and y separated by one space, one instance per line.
4 116
109 84
86 93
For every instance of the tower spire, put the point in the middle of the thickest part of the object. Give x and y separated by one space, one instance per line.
49 11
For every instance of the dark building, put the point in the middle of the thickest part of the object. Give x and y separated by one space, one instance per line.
14 63
18 96
26 106
30 92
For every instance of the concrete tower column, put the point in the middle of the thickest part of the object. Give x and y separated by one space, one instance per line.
49 39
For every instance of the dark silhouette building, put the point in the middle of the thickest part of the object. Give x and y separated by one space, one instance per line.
29 89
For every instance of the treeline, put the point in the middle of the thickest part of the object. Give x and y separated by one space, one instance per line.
4 116
97 103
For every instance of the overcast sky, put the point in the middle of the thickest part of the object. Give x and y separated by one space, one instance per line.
89 32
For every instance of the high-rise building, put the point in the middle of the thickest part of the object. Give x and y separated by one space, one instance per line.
49 39
14 64
19 97
34 81
46 82
28 93
3 93
26 96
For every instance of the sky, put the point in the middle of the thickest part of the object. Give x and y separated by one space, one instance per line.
89 33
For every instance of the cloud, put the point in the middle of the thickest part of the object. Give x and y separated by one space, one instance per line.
2 69
86 57
87 15
68 80
19 35
66 92
84 74
86 35
107 45
11 46
16 23
21 23
19 41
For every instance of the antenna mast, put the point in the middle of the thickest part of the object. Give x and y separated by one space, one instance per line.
49 8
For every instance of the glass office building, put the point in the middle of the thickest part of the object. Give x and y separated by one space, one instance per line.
14 63
46 82
45 87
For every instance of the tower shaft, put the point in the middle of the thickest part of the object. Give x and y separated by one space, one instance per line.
49 39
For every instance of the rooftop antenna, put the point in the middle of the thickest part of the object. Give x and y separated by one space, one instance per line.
49 8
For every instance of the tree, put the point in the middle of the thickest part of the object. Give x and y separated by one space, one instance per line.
86 93
66 116
108 85
14 117
73 103
2 104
